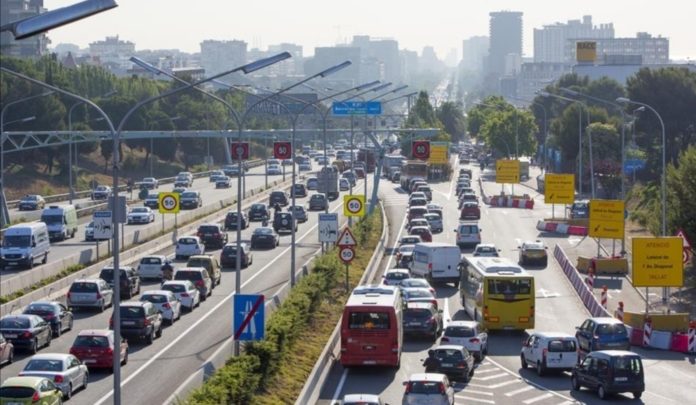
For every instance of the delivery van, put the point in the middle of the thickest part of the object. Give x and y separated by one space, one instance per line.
22 244
61 221
437 262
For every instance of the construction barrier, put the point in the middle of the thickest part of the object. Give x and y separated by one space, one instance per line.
619 313
589 280
674 322
603 301
502 201
562 228
691 346
647 332
680 342
616 265
585 294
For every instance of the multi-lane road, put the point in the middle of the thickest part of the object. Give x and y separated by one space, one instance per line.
499 378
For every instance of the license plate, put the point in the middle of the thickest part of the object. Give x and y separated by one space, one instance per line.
89 361
621 379
208 235
446 364
369 362
414 323
10 336
129 322
368 347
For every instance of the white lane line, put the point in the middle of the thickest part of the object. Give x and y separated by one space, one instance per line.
205 316
537 399
468 391
490 370
339 387
502 384
483 401
476 385
396 242
519 391
528 381
445 314
493 377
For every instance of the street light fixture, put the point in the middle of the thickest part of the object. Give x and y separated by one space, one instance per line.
396 90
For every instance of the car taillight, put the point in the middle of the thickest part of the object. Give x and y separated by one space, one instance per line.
109 351
184 295
474 340
146 322
68 295
544 352
442 388
35 397
395 345
461 365
408 388
58 379
199 283
27 335
430 266
444 339
99 296
434 302
166 305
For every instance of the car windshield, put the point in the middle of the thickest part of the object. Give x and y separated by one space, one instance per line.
486 249
449 354
188 275
30 198
15 323
84 287
139 210
257 207
424 387
566 345
417 293
263 231
611 329
13 392
44 365
415 282
317 197
152 196
52 219
154 298
520 286
16 241
418 313
91 341
150 260
40 309
189 194
396 275
131 312
187 241
459 331
208 229
175 288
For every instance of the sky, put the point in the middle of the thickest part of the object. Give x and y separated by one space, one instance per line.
183 24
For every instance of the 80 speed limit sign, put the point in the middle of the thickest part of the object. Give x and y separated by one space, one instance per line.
168 203
354 205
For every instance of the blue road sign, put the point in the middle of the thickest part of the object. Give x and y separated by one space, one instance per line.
248 317
632 165
356 108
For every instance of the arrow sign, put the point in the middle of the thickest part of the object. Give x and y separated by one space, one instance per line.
346 239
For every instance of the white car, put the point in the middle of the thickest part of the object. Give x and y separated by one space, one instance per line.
434 221
417 195
428 388
394 276
140 215
274 170
468 334
185 292
65 370
344 184
151 266
223 182
187 246
486 250
549 350
166 302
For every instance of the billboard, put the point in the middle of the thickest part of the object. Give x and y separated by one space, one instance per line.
657 262
586 51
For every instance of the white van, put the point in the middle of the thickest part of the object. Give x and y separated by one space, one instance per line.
468 234
22 244
437 262
61 221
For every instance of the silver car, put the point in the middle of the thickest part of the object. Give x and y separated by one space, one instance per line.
185 292
94 293
65 370
166 302
151 266
428 389
298 212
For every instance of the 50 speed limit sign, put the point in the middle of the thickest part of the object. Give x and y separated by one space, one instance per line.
168 203
354 205
346 254
282 150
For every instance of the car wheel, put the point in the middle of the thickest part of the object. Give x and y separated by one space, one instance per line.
637 395
68 394
34 347
85 381
159 332
10 358
150 337
58 330
540 369
601 392
523 362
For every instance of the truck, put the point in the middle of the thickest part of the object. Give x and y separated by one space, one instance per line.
411 169
367 156
328 182
524 169
391 164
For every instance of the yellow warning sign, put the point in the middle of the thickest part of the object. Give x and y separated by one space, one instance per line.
606 219
657 262
507 171
559 188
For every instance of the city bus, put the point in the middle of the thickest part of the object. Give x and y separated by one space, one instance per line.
497 292
371 327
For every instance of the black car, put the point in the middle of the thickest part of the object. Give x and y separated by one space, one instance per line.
259 212
140 319
299 191
278 197
422 318
318 202
26 331
231 220
610 371
455 362
212 235
56 314
228 256
130 281
190 200
264 237
152 201
283 222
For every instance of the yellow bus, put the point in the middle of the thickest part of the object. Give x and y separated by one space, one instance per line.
497 292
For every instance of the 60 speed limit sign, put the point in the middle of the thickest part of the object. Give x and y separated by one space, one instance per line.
168 203
354 205
346 254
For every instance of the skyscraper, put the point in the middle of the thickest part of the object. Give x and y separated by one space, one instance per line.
474 52
505 31
219 56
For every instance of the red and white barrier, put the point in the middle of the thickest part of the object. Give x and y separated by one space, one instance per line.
604 298
562 227
501 201
619 313
647 332
691 348
590 280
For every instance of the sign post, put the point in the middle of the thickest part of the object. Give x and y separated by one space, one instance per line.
328 228
559 189
346 251
248 317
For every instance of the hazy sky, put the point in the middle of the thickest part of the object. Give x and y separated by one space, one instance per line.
183 24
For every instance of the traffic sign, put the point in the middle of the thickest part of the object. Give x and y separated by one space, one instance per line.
606 219
356 108
346 254
507 171
328 228
633 165
657 262
248 317
239 150
686 246
420 150
354 205
282 150
346 238
168 203
559 188
103 225
438 154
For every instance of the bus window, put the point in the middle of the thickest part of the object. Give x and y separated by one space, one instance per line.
509 286
369 320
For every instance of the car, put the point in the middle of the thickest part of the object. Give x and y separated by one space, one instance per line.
298 191
465 170
231 220
418 294
404 255
318 202
428 388
273 162
343 184
422 318
179 190
101 193
190 199
30 390
188 246
95 348
418 202
602 333
549 350
418 222
299 212
470 210
410 240
533 251
212 235
140 215
89 232
278 197
417 283
486 250
362 399
396 176
284 222
467 196
185 292
149 183
65 370
223 182
28 332
455 362
580 210
274 170
216 174
412 181
359 172
55 313
231 170
425 189
141 320
90 293
417 212
210 264
166 302
129 280
31 202
468 234
183 181
286 162
188 175
394 276
259 212
305 166
228 256
434 221
609 372
150 267
6 351
312 183
469 334
199 277
463 191
423 232
152 201
417 195
350 176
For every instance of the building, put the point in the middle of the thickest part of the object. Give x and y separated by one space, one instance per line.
551 41
289 67
410 65
652 50
537 75
429 60
326 57
220 56
383 52
113 54
505 31
32 47
474 52
621 71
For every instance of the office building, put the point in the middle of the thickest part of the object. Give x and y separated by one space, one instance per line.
325 57
410 65
474 53
380 51
505 31
652 50
113 54
551 41
220 56
32 47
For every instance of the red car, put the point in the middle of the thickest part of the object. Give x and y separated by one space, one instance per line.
470 210
423 232
95 348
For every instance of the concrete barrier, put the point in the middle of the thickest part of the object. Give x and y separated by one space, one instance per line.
603 265
675 322
561 228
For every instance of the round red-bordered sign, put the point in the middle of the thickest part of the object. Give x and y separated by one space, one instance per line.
282 150
346 254
354 206
420 149
239 150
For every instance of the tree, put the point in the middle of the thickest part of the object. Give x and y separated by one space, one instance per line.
421 115
510 132
681 194
451 116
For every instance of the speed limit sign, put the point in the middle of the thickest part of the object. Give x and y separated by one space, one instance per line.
168 203
354 205
346 254
239 150
420 149
282 150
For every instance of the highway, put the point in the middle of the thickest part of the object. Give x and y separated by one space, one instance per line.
499 378
154 372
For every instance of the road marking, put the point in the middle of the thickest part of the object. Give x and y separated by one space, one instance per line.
396 243
537 399
519 391
490 394
339 387
484 401
490 370
529 381
492 377
445 314
205 316
504 383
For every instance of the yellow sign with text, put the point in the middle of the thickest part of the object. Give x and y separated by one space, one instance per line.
606 219
657 262
438 154
586 51
507 171
559 188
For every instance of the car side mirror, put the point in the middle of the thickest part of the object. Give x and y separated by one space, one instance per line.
405 383
33 244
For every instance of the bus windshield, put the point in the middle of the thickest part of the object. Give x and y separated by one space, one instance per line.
368 320
512 286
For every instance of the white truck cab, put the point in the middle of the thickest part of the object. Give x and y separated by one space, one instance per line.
22 244
61 221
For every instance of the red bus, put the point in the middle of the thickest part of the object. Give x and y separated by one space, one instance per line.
371 327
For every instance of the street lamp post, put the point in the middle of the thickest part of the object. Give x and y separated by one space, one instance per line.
546 133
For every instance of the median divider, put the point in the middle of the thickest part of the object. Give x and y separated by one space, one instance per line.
562 228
